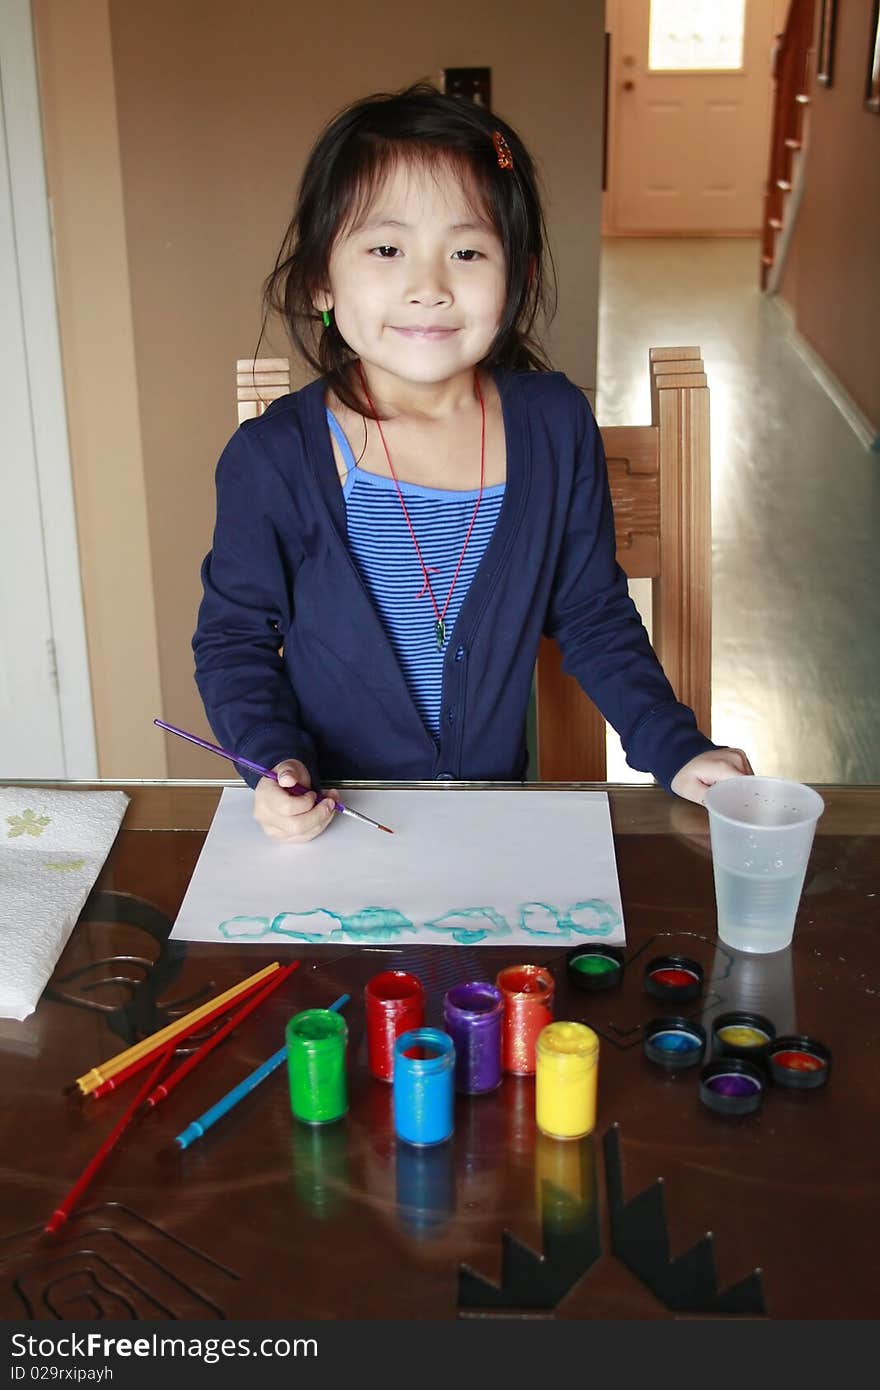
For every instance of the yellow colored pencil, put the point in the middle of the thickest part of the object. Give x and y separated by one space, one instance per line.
94 1078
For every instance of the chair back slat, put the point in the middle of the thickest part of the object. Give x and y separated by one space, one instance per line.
258 382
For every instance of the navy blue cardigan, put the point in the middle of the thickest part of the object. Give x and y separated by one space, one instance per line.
280 576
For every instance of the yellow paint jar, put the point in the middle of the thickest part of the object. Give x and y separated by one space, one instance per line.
567 1056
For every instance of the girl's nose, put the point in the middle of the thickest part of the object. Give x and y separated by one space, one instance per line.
429 287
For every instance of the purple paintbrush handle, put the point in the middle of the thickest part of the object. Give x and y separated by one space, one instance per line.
297 789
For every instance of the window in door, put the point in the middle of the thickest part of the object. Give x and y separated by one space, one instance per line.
703 35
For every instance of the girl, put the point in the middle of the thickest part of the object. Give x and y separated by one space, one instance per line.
392 540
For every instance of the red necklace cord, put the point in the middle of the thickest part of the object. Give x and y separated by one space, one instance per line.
440 626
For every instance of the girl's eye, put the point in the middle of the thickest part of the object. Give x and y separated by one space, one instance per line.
470 255
385 253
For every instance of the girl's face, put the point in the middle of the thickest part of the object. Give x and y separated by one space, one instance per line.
418 287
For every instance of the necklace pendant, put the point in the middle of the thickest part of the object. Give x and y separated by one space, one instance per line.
440 631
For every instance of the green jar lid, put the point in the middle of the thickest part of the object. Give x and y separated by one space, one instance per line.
595 967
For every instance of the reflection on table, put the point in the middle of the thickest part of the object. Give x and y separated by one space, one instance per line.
268 1217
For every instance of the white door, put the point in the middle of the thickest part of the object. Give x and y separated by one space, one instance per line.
45 700
690 113
31 743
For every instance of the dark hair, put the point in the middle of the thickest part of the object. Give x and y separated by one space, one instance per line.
355 151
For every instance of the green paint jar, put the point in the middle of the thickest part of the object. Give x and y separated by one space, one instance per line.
316 1041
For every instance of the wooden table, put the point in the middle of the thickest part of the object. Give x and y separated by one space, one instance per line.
268 1218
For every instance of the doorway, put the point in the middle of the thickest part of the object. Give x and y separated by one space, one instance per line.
46 726
689 110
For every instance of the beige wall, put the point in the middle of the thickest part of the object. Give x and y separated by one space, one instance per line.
217 104
832 277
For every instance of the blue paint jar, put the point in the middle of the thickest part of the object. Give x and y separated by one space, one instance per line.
423 1092
473 1014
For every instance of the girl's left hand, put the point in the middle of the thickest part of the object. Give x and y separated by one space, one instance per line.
694 779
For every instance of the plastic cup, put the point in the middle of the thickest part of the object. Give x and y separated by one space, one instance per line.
761 829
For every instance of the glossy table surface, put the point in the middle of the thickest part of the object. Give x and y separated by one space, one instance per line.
266 1217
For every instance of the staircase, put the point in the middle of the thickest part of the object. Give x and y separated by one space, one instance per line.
791 101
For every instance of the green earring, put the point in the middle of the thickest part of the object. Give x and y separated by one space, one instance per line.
325 315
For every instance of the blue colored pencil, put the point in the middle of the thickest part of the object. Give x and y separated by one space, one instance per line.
198 1127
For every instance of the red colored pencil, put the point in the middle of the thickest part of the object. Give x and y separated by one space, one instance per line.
112 1082
174 1079
63 1210
96 1076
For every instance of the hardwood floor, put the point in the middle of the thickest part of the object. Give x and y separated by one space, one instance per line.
795 508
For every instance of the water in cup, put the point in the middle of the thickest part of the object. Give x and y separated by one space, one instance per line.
757 912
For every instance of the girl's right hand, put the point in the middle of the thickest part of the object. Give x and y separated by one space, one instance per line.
288 816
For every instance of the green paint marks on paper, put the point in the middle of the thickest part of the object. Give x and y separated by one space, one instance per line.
69 866
594 918
28 823
367 925
467 925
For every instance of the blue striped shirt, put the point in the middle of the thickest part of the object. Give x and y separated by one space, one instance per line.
385 555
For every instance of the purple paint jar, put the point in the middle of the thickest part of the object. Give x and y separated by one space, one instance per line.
473 1015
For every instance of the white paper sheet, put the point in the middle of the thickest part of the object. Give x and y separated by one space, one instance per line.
476 867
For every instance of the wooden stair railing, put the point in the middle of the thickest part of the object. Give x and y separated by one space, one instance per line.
791 99
659 480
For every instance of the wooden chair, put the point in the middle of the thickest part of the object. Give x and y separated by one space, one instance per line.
259 381
659 477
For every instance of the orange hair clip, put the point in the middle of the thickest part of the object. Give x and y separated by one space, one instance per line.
502 149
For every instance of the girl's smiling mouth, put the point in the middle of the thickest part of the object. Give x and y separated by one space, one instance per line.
428 334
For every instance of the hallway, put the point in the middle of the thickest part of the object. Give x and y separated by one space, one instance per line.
795 507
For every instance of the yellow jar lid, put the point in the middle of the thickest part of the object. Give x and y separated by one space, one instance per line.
568 1040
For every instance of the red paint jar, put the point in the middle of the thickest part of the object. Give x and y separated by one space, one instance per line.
394 1003
528 1007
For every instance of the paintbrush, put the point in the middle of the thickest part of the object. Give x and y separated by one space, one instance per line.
296 789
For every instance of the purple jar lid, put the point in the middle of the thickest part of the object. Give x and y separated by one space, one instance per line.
731 1086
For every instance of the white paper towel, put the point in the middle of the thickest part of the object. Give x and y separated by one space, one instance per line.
52 846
